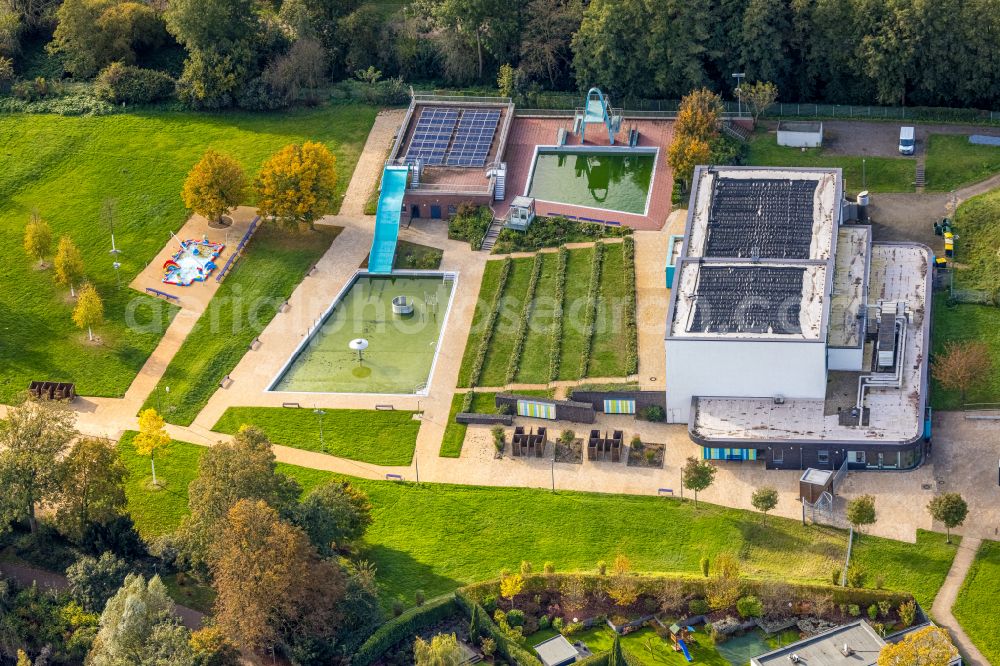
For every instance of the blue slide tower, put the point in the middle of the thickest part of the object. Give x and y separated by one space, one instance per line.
390 207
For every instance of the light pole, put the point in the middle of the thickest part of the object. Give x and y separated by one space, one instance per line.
864 174
109 213
320 413
739 76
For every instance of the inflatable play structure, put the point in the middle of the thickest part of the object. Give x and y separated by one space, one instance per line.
194 262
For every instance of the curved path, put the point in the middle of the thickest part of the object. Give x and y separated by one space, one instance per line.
947 596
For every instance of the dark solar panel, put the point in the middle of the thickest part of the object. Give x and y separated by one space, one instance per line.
747 299
761 218
473 138
432 135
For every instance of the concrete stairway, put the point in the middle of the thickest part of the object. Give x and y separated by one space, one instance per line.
491 235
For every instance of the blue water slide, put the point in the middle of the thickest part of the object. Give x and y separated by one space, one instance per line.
684 649
390 206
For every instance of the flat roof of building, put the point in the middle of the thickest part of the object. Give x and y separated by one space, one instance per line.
758 254
826 649
850 286
899 272
556 650
804 126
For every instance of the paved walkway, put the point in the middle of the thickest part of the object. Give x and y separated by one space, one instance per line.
25 576
947 596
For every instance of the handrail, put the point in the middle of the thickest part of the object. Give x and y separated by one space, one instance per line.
239 249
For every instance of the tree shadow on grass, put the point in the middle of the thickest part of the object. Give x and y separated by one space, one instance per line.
400 575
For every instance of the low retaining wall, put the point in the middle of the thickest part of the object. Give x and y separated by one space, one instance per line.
642 398
484 419
566 410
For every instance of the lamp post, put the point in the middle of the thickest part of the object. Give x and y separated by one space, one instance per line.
358 345
739 76
320 413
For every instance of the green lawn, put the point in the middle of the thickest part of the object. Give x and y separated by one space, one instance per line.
919 571
976 604
977 225
502 342
482 403
376 437
534 367
487 289
967 322
66 167
437 537
273 265
953 162
882 174
608 356
574 311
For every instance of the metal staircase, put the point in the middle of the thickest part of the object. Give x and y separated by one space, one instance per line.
491 235
736 131
920 180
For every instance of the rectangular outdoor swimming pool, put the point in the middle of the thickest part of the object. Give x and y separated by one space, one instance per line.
402 349
615 179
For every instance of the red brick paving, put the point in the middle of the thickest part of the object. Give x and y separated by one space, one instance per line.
526 133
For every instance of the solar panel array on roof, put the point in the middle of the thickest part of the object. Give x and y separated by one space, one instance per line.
761 218
432 135
747 299
473 138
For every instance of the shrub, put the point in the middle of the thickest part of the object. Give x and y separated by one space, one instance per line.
544 622
118 83
498 439
879 582
557 624
397 607
873 612
908 612
258 95
652 413
856 576
749 606
631 327
884 607
39 88
853 610
567 437
835 574
389 92
515 618
650 456
698 607
705 566
549 568
637 443
470 223
525 568
419 598
489 646
591 312
572 628
489 603
602 567
555 351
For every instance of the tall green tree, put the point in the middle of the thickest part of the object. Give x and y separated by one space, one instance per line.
33 439
334 515
546 41
949 509
92 581
861 512
678 38
888 47
93 487
484 27
93 33
212 25
764 44
609 49
697 475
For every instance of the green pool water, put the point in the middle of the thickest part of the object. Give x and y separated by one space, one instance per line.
401 349
611 181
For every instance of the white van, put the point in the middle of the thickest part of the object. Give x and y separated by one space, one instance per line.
907 142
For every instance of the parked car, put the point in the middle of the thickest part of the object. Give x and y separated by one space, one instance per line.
907 142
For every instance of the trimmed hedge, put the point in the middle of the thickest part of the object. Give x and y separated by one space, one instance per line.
491 322
514 364
631 327
506 647
557 315
405 626
592 295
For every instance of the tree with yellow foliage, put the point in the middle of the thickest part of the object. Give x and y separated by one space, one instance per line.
152 437
699 115
623 586
510 586
297 185
684 154
68 264
930 646
37 239
215 185
89 310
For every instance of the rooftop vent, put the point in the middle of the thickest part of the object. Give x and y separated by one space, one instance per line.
846 650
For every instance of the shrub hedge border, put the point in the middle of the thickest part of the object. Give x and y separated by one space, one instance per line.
631 326
491 322
406 625
555 353
514 364
592 295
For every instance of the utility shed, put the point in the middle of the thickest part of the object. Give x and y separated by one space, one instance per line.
557 651
800 134
815 482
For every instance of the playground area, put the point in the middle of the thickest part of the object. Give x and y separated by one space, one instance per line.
189 279
400 319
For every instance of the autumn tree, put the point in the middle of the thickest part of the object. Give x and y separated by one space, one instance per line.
962 366
511 586
759 95
93 489
333 516
214 185
930 646
949 509
68 264
211 647
37 239
764 499
697 475
442 650
152 437
33 438
699 115
861 512
297 185
622 585
138 626
574 592
724 587
244 468
269 580
684 154
92 580
89 310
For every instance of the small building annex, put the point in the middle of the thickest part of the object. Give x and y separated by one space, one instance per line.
791 337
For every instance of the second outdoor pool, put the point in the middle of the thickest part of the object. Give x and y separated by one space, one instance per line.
402 349
616 180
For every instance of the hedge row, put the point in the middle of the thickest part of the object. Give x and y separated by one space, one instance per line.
631 328
407 625
467 401
506 647
491 322
557 315
592 294
514 364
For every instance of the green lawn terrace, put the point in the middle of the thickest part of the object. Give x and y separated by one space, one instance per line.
68 168
401 346
975 607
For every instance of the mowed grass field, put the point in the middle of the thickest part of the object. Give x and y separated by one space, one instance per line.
608 354
274 263
953 162
376 437
436 537
881 174
959 323
66 168
977 600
